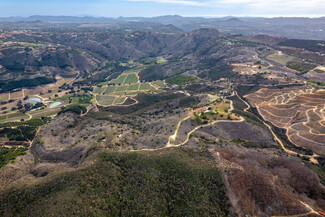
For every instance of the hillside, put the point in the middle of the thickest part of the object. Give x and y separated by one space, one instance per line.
161 183
138 122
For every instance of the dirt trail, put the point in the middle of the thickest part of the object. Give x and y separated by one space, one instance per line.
225 164
311 212
88 109
173 137
248 106
29 116
308 121
154 86
136 74
199 127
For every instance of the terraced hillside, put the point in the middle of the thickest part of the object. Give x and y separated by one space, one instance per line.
300 111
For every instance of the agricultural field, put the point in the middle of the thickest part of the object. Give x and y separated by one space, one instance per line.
105 100
159 84
121 88
4 97
120 80
280 58
126 85
45 112
146 86
99 90
133 87
131 79
109 89
120 100
16 95
13 117
299 111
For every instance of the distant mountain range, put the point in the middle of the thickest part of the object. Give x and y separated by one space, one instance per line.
290 27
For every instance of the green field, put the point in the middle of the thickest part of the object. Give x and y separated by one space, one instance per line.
46 113
120 100
74 100
133 87
104 83
160 83
105 100
121 88
146 86
119 80
280 58
131 79
127 84
100 90
13 117
133 93
109 89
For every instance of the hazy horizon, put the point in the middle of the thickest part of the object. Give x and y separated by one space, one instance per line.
153 8
195 16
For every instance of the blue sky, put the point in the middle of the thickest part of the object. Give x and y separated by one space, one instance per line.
149 8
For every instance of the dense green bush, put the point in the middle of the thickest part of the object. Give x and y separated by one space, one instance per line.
79 109
302 67
152 73
10 154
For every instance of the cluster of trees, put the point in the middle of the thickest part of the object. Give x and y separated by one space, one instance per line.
12 85
9 154
78 109
152 73
302 67
21 133
23 108
311 45
176 183
180 80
